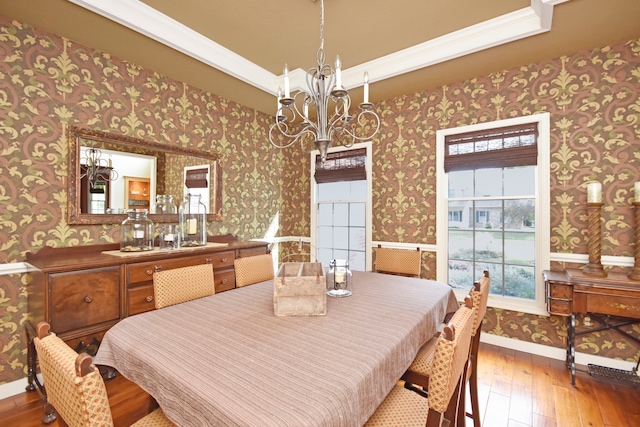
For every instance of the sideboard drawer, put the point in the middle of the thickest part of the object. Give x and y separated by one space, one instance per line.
141 299
224 280
83 298
559 307
143 271
223 259
243 253
560 291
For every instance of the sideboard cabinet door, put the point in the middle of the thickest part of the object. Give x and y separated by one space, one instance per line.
84 298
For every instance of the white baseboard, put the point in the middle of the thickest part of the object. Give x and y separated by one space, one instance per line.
13 388
554 352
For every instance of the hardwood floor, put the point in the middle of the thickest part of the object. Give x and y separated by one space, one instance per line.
515 389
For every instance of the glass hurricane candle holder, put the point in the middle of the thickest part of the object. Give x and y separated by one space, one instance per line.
339 279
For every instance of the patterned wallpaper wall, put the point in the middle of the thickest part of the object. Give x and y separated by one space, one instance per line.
47 83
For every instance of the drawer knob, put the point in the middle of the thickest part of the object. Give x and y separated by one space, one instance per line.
149 298
224 281
224 259
88 299
207 260
149 272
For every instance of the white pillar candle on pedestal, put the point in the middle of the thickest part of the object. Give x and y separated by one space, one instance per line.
594 192
636 191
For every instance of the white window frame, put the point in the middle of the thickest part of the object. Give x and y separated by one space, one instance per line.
542 220
314 210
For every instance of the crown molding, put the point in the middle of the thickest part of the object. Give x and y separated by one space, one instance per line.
142 18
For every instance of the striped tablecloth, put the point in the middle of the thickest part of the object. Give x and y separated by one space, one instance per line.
227 360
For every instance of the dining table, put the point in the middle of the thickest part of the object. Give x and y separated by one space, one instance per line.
227 360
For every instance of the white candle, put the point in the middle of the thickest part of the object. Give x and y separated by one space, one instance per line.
366 87
191 226
278 101
339 276
338 72
636 191
594 192
286 81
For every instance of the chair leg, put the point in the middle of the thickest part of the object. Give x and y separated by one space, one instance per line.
473 380
473 391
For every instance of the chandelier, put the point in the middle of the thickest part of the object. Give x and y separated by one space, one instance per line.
332 122
97 169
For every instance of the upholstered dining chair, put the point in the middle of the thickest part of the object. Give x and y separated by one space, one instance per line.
422 366
253 269
402 262
408 408
479 295
74 387
182 284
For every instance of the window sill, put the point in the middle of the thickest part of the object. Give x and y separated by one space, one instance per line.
511 304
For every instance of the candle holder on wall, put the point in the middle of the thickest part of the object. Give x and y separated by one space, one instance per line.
594 267
634 274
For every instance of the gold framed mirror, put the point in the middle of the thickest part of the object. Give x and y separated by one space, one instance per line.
102 164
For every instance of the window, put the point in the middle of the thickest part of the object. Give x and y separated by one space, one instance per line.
196 183
496 181
341 207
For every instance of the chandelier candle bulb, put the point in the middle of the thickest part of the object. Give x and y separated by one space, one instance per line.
594 192
338 72
286 81
366 87
636 191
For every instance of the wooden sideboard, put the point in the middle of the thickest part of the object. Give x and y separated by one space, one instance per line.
570 292
83 291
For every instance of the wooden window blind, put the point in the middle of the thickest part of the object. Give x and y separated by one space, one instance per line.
493 148
342 166
196 178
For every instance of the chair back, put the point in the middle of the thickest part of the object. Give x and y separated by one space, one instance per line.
73 385
398 261
450 359
479 296
253 269
182 284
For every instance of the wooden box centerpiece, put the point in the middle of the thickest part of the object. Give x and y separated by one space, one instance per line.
299 289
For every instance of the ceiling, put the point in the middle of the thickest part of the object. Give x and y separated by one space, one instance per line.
237 48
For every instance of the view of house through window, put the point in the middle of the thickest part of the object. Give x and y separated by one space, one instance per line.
490 208
492 227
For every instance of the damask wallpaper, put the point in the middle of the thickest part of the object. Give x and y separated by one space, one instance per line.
48 83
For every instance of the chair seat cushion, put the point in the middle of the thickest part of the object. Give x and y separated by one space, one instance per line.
401 407
423 362
154 419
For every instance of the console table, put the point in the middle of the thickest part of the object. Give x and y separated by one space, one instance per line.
83 291
570 291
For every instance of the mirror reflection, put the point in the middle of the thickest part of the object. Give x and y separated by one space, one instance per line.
112 173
